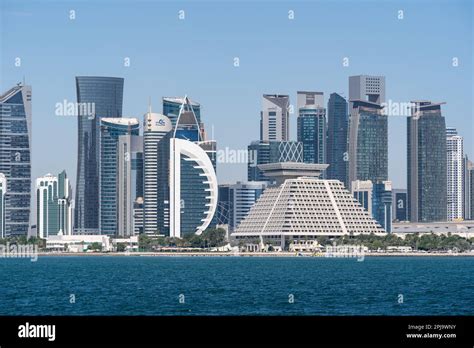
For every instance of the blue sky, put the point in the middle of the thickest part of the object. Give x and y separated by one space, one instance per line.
195 56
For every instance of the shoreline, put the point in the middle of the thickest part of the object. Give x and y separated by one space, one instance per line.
250 254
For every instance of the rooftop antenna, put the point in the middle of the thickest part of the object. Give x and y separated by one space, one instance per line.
149 104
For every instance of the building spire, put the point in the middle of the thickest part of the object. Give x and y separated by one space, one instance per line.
149 104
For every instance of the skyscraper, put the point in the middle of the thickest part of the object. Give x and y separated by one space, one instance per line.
368 130
155 127
468 169
426 163
455 154
263 152
110 131
102 95
15 157
274 117
172 106
130 184
337 155
3 191
53 205
311 130
187 182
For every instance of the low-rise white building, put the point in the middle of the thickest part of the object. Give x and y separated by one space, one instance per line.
77 243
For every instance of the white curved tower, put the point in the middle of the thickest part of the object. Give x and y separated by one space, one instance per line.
191 201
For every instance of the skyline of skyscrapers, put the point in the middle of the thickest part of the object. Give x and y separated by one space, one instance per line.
15 157
103 97
175 170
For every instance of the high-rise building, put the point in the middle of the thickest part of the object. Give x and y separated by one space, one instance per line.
382 204
454 163
275 118
130 184
110 131
399 206
15 157
368 129
426 163
337 155
468 168
98 97
472 192
3 191
53 205
172 107
263 152
311 130
367 88
155 127
242 197
187 182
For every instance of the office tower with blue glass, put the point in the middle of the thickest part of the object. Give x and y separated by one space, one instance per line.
382 204
337 132
3 191
15 158
275 118
426 163
242 197
53 205
110 131
155 127
187 182
455 174
263 152
104 96
311 126
130 185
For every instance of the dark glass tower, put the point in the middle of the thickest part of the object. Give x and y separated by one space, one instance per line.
368 145
337 155
98 97
15 158
426 163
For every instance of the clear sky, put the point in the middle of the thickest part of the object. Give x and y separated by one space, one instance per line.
195 56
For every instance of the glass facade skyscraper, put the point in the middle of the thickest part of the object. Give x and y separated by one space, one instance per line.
426 163
3 191
187 183
311 126
110 131
101 97
15 158
337 155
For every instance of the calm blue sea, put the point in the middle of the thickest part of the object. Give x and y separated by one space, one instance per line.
134 285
